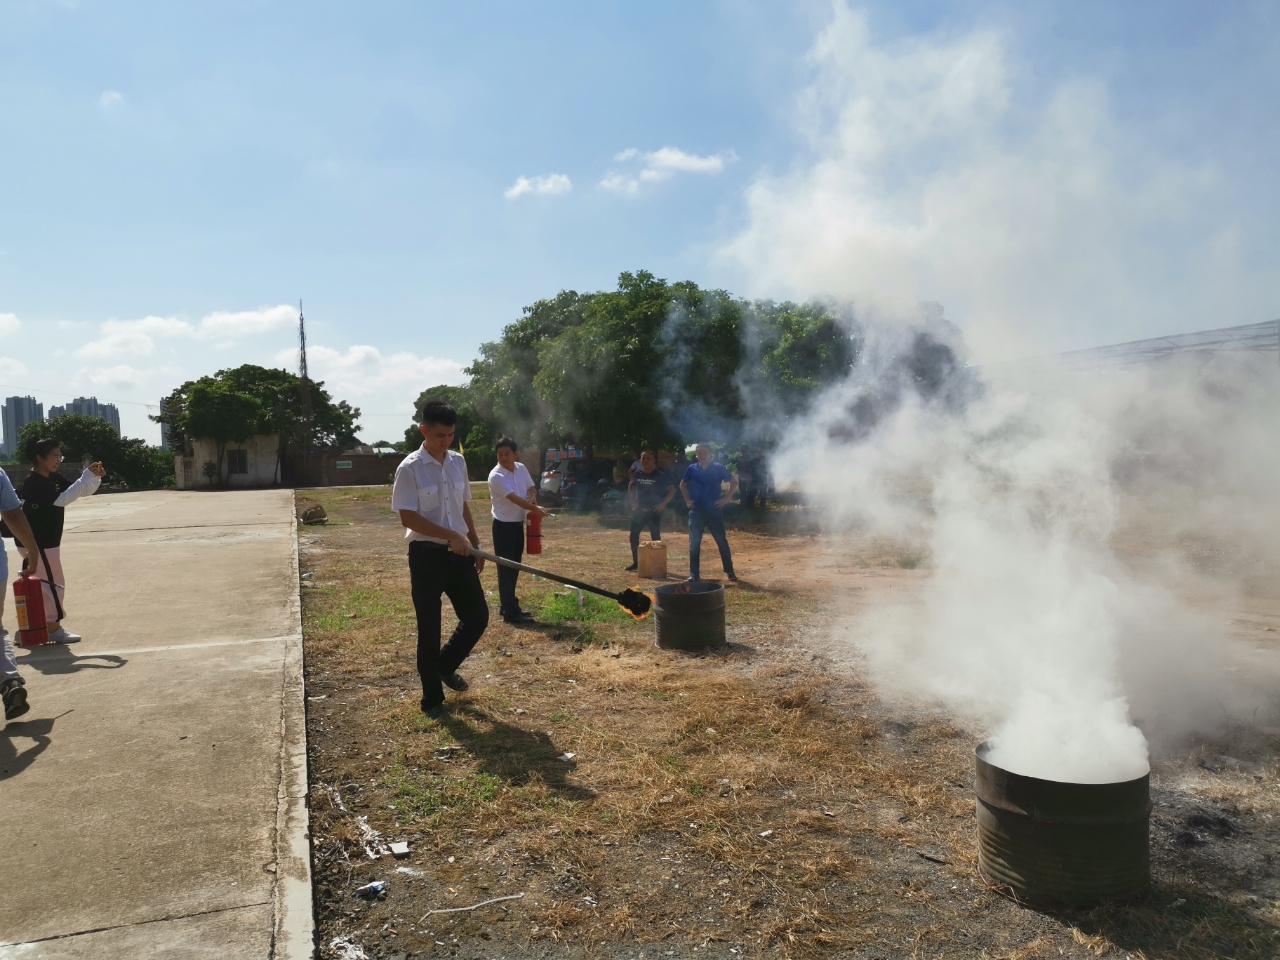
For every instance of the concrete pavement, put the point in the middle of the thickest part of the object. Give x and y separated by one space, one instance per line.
153 802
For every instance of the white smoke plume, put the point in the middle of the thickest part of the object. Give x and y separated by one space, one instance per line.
1032 620
1078 653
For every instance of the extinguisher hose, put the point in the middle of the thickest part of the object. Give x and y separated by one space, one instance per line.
53 587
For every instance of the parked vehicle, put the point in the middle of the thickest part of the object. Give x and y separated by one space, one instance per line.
577 484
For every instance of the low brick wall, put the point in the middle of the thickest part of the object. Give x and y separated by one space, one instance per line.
354 470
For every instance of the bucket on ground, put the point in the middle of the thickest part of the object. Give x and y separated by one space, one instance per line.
1063 844
689 616
651 560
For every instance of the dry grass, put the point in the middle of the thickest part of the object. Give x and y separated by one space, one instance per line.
742 802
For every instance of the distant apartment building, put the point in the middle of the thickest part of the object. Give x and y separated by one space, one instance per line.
16 413
89 407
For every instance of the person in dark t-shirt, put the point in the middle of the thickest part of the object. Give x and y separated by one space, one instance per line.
45 493
648 494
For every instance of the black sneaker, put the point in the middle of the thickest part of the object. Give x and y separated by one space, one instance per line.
633 566
733 577
454 681
15 699
435 713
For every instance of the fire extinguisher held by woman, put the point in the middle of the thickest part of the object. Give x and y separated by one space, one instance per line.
45 494
12 686
513 495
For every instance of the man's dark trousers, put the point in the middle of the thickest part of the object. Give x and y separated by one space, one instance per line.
508 542
639 517
707 518
434 570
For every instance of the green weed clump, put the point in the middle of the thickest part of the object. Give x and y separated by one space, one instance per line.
559 609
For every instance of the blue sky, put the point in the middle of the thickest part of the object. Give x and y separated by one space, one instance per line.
176 176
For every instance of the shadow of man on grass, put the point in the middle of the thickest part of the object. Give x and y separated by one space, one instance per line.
513 754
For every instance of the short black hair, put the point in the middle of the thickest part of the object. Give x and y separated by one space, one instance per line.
438 412
506 442
42 448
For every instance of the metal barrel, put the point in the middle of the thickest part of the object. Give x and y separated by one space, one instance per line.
689 616
1063 844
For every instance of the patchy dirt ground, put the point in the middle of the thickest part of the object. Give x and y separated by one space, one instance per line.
595 796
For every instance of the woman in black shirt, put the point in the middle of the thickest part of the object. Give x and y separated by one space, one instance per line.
45 493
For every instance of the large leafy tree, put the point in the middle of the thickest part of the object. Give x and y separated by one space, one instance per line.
475 434
216 412
129 461
321 423
652 363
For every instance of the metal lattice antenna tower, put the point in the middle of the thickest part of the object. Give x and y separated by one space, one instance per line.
304 383
302 344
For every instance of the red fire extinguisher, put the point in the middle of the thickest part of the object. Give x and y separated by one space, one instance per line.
28 600
533 539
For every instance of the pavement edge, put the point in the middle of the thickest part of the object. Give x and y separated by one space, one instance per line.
293 936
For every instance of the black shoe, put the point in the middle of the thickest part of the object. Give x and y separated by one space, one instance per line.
15 699
516 619
435 713
732 576
454 681
633 566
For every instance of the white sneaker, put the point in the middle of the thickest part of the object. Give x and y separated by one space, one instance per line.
63 635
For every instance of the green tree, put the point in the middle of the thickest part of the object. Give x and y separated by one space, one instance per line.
474 435
128 461
654 363
503 391
215 412
279 394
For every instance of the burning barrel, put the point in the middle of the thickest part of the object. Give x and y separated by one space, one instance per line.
1063 844
689 616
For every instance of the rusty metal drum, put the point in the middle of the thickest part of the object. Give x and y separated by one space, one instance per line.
689 616
1063 844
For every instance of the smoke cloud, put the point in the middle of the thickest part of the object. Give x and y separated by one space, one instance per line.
928 169
1062 608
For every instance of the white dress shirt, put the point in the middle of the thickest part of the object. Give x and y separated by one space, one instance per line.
503 482
435 491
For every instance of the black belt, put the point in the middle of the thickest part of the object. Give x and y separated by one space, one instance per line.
428 545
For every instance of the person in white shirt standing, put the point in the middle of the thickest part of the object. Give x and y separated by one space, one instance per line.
513 495
430 494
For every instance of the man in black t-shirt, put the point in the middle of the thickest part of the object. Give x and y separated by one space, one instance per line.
648 494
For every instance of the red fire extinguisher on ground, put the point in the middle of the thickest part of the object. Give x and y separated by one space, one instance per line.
533 538
28 600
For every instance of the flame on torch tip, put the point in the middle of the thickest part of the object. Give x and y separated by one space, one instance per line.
636 602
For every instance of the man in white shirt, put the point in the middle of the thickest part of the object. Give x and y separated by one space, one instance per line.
513 495
430 494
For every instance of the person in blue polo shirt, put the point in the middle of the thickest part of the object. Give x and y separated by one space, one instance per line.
702 489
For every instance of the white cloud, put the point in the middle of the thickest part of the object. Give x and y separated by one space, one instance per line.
244 322
9 323
109 99
11 369
1038 225
363 371
658 165
550 185
138 338
133 338
119 376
